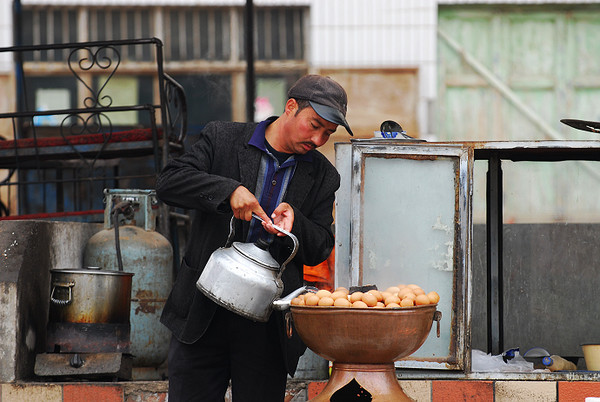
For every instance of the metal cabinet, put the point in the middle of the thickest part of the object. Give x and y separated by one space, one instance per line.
403 216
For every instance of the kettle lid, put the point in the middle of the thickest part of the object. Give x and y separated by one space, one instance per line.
255 252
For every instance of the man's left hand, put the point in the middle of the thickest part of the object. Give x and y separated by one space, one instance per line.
283 216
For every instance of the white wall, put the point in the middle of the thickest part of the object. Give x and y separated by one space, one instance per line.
378 34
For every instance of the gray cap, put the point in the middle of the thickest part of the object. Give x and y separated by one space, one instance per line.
326 97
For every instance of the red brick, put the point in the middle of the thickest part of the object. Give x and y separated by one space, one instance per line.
88 392
453 391
577 390
314 388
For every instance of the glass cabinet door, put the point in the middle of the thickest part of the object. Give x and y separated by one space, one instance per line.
403 217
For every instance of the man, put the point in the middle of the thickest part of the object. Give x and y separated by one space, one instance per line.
270 169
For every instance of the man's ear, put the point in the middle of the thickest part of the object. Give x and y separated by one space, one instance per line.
291 107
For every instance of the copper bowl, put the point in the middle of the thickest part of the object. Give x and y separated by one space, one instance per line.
363 335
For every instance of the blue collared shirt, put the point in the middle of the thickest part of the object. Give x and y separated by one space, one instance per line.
272 180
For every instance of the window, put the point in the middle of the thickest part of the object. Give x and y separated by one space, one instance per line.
49 25
279 34
271 95
125 91
204 48
208 98
197 34
43 94
122 23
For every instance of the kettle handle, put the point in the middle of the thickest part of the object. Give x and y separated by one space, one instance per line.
285 232
229 241
291 236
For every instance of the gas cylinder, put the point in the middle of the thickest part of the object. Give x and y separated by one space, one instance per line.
141 250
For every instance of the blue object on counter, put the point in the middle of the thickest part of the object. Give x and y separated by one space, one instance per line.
509 354
391 134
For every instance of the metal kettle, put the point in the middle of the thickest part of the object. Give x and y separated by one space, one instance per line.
245 278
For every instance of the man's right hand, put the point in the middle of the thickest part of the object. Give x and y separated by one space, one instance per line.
243 203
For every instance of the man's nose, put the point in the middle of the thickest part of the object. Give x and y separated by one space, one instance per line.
319 139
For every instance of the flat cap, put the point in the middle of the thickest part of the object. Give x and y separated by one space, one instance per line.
326 97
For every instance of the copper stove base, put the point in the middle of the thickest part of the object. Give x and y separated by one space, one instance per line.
378 380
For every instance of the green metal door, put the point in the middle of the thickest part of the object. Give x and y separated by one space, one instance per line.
512 72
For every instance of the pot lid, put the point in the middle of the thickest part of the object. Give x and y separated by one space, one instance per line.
255 252
584 125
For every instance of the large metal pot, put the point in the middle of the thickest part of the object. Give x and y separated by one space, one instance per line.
364 335
90 296
245 278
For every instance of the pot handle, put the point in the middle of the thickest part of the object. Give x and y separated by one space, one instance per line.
291 236
61 302
437 316
289 324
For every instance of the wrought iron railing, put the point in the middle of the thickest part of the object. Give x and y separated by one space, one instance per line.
87 148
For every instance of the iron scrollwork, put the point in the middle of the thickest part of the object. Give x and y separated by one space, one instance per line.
83 60
88 130
77 124
105 58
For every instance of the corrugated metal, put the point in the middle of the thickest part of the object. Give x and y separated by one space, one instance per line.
517 1
375 33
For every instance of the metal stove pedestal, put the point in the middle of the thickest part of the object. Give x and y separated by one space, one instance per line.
356 382
115 366
86 350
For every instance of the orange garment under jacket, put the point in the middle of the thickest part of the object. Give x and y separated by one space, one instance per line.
322 275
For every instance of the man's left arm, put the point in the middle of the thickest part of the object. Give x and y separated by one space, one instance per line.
312 221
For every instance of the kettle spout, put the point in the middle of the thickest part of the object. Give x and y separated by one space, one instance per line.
284 302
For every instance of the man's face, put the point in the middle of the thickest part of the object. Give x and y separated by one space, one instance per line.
306 130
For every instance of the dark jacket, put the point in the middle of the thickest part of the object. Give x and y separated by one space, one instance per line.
202 180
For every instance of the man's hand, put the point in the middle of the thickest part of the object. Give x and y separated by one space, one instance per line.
283 216
243 203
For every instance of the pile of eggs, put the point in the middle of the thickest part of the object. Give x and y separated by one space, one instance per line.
392 297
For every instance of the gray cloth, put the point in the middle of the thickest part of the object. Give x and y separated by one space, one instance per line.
202 180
